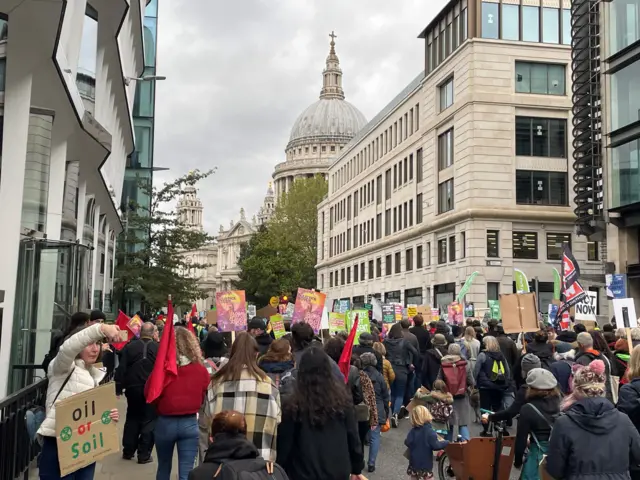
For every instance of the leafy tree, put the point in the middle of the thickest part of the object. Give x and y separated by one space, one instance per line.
281 257
150 259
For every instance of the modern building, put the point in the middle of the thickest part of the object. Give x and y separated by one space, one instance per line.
66 132
467 169
321 131
138 175
606 59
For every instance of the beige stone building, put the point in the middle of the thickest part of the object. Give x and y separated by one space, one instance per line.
467 169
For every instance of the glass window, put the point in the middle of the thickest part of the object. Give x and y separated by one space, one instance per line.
556 79
442 251
626 174
493 243
419 167
493 290
452 249
398 263
541 137
465 25
566 26
387 265
150 33
446 94
550 25
541 188
463 245
428 254
555 241
531 24
624 23
445 196
625 96
4 29
408 260
525 245
445 149
419 262
490 20
419 208
510 22
378 268
3 72
143 100
558 185
541 78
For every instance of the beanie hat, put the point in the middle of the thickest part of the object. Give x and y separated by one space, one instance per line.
589 381
541 379
528 363
366 339
368 359
562 347
439 340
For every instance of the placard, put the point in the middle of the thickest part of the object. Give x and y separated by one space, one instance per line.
135 324
618 305
85 432
363 323
398 310
388 313
336 323
251 311
277 325
587 308
232 311
309 307
412 311
212 317
519 312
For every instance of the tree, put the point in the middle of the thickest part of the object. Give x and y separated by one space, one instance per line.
282 256
150 253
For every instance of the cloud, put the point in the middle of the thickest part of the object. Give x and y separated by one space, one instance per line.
239 74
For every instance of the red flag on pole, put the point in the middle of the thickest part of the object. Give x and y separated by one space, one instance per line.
194 313
345 357
165 369
123 321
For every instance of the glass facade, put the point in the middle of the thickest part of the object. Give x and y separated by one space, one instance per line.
510 22
541 78
625 96
526 22
531 24
624 29
490 20
625 181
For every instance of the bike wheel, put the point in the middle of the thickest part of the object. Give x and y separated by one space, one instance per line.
444 468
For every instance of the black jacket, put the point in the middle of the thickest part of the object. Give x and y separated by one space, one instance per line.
134 370
509 350
532 422
544 351
400 354
629 403
360 349
330 452
381 391
238 454
424 339
594 441
264 340
514 409
355 385
411 338
431 365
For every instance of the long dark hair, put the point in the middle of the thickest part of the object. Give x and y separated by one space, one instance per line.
600 344
317 395
244 353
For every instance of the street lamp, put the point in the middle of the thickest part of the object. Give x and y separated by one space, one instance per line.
145 78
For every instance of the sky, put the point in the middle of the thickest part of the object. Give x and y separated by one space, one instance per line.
240 73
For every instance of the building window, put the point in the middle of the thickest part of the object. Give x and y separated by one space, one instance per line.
625 178
555 242
446 94
395 177
531 24
378 268
490 20
102 258
452 249
387 185
593 254
445 149
398 262
419 262
442 251
3 71
624 24
566 26
387 265
378 226
493 291
493 244
387 222
411 166
541 78
379 190
419 167
348 275
324 149
362 270
428 255
411 213
408 260
445 196
406 171
525 245
510 22
419 208
541 188
550 25
625 96
463 245
395 219
342 277
541 137
330 279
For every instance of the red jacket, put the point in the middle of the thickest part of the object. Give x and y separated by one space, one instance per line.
186 393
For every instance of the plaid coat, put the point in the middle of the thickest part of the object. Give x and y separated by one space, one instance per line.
259 402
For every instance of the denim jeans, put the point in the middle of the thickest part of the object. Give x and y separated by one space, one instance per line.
374 446
397 392
49 466
463 431
180 430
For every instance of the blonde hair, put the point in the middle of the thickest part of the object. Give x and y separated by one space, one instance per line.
378 347
187 345
420 415
634 363
469 334
635 333
491 344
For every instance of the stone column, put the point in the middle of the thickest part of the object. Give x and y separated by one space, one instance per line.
105 279
95 253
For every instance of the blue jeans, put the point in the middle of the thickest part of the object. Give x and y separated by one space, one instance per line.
374 445
397 392
49 466
463 431
180 430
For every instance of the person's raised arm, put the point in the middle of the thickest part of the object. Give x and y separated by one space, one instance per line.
73 346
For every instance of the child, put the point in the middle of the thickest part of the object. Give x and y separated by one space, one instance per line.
439 402
421 442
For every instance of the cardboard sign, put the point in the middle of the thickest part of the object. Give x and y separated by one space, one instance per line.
277 325
519 312
621 303
84 431
398 309
388 313
363 323
337 323
587 308
309 308
212 317
412 311
135 324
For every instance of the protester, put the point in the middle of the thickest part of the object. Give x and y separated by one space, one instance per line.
609 335
231 454
78 320
600 344
472 345
542 349
318 436
401 355
366 341
507 347
136 364
257 329
629 400
381 404
421 442
492 377
442 328
177 408
563 366
387 369
621 358
367 411
421 333
333 348
432 359
202 330
536 420
439 401
278 360
72 371
592 439
413 381
588 354
458 386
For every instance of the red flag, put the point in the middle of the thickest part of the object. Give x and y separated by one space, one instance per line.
194 313
345 357
165 369
122 321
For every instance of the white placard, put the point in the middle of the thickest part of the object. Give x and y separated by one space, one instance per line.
618 305
587 308
324 323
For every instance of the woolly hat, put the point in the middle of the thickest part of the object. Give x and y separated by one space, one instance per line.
366 339
528 363
541 379
439 340
589 381
368 359
562 347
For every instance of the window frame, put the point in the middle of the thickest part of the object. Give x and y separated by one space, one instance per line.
559 255
524 234
490 253
443 186
446 94
446 149
442 253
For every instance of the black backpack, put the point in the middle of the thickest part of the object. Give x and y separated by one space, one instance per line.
249 469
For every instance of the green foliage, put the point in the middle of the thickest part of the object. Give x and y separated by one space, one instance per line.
281 257
149 255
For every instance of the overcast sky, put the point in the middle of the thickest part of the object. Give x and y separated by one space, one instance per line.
239 74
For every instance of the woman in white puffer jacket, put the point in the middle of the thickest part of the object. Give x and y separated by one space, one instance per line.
72 371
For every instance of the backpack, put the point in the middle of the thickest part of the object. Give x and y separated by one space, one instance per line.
455 377
249 469
498 373
441 412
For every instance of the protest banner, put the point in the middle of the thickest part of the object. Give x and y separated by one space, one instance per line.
388 313
85 432
212 317
435 314
412 311
135 324
337 323
274 301
363 323
469 310
232 311
369 308
586 309
288 311
345 305
522 284
465 288
616 285
398 309
454 313
619 304
309 307
251 311
494 309
519 312
277 325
